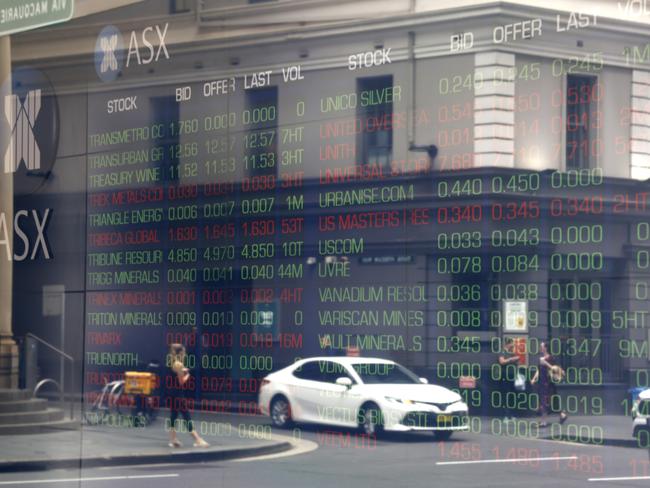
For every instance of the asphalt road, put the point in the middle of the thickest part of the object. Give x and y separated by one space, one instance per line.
340 458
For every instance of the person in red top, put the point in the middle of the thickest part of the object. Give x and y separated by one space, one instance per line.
179 396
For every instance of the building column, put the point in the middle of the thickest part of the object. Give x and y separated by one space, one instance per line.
494 109
8 348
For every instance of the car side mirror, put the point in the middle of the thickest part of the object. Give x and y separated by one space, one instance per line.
344 381
424 380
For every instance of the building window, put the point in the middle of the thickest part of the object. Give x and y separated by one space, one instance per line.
581 122
167 111
580 324
180 6
260 142
375 146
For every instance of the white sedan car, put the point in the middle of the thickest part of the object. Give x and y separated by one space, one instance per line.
641 416
372 394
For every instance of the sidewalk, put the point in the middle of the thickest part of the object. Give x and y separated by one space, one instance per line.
93 446
604 430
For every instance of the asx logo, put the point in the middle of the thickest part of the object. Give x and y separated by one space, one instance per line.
22 142
109 49
109 53
29 128
109 46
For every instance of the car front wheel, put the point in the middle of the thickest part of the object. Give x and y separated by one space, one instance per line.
281 413
642 436
370 420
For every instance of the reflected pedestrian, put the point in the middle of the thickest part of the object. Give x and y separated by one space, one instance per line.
548 374
180 394
509 361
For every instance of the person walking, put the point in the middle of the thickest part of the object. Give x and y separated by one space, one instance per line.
509 362
179 395
548 374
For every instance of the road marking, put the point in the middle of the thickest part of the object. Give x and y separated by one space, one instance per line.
98 478
519 460
623 478
151 465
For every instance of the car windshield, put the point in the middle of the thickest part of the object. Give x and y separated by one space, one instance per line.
372 373
644 407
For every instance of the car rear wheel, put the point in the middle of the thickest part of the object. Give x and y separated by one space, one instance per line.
642 436
281 413
442 435
370 419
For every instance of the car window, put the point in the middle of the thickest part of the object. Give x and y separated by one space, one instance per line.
309 371
331 371
385 373
644 408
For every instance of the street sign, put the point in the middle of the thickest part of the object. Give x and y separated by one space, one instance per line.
516 316
53 300
353 352
466 382
22 15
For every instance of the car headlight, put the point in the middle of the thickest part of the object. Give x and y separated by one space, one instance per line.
400 400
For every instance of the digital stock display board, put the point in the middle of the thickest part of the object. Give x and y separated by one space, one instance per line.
273 220
210 227
258 223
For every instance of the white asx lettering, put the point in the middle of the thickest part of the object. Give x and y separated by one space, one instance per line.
19 225
134 47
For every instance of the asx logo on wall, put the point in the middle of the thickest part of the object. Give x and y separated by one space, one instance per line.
21 115
110 56
29 233
30 134
29 138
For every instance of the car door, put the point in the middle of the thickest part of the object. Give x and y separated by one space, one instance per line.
306 391
338 404
317 397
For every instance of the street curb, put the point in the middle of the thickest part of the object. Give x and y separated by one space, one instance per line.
628 443
134 459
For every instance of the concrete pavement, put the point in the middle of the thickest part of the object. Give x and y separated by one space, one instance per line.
236 437
118 445
606 430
